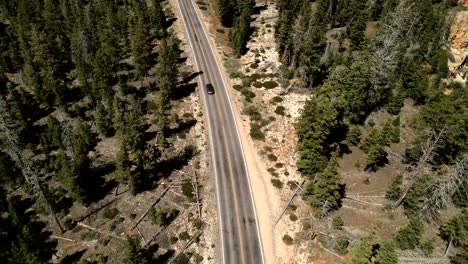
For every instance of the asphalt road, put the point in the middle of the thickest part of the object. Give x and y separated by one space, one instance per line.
240 241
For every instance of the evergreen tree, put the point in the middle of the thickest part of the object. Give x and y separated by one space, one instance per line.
455 230
377 157
118 109
140 43
122 164
241 31
138 178
226 11
134 127
103 120
325 192
166 73
70 177
387 253
134 253
158 18
23 237
394 191
409 237
319 129
53 134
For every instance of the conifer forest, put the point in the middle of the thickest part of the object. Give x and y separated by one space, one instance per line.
92 97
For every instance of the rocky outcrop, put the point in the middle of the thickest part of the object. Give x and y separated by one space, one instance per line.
458 64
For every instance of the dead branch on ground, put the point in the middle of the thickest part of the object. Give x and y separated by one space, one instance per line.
152 205
10 128
289 202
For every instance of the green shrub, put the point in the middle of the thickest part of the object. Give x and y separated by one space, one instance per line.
264 122
172 240
237 87
342 245
280 110
256 132
390 134
376 158
354 135
270 84
247 94
279 165
277 183
69 223
427 247
396 121
252 111
187 189
293 217
162 218
337 222
254 65
220 30
272 157
288 240
271 170
375 137
410 236
184 236
306 224
110 213
277 99
257 84
394 190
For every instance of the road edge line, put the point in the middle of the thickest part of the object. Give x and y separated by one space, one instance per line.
237 131
220 230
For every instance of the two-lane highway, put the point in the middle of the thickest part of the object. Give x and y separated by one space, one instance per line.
240 241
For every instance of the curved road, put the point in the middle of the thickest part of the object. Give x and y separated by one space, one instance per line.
240 241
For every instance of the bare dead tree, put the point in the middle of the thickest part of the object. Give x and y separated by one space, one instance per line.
396 31
9 129
434 141
440 193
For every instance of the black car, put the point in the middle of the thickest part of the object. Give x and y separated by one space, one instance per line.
209 88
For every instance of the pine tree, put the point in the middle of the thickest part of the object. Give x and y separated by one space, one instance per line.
158 18
140 43
118 109
455 229
166 73
138 178
320 128
409 237
241 30
122 164
25 240
103 120
377 157
134 253
325 193
387 253
225 12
